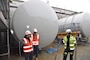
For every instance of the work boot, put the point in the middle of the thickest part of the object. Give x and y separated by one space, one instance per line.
36 58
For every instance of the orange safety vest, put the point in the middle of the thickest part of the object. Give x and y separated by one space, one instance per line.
36 40
28 47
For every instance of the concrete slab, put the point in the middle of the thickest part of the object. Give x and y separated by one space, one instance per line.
83 53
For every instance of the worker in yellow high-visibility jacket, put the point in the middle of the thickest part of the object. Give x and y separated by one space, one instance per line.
69 44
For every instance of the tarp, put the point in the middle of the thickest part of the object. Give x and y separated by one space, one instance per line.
51 50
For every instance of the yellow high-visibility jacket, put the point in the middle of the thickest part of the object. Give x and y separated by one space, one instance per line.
72 42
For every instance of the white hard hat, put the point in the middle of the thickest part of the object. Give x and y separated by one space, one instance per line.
68 30
35 30
27 32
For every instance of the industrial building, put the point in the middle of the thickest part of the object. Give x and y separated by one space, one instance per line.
18 16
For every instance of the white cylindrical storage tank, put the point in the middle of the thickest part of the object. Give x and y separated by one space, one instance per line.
35 14
83 19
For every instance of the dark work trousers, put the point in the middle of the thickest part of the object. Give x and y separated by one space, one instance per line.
29 56
36 51
66 53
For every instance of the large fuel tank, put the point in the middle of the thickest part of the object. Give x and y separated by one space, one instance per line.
82 20
35 14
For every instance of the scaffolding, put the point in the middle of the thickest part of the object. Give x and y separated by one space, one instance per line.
4 8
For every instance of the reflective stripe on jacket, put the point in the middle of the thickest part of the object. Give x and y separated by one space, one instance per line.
72 42
36 39
28 47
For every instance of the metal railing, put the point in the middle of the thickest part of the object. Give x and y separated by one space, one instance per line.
72 26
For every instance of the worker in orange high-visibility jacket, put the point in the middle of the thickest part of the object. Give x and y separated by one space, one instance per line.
36 43
28 45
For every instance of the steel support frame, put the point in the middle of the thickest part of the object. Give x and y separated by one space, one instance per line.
8 35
